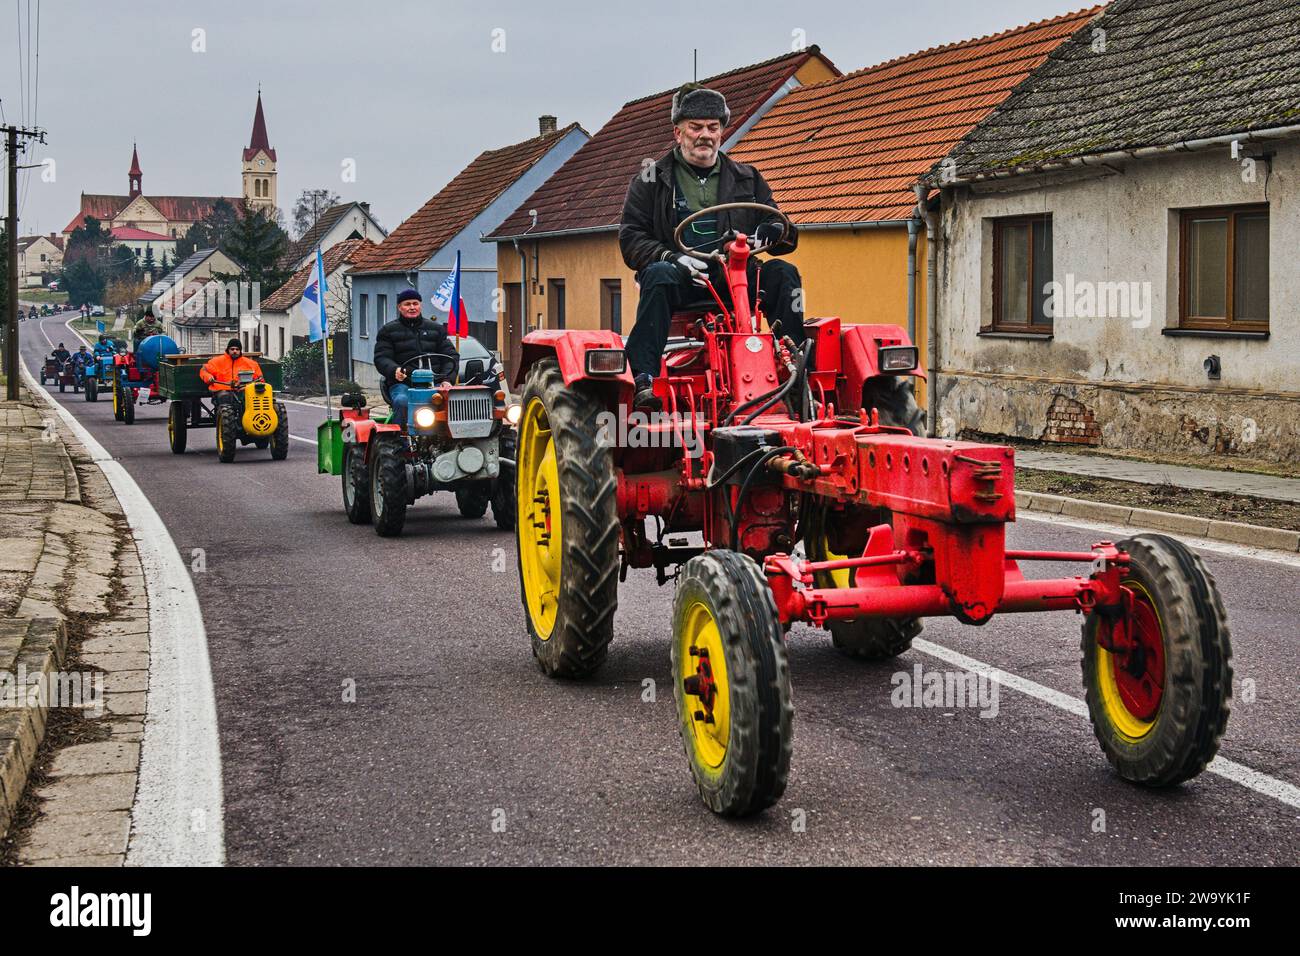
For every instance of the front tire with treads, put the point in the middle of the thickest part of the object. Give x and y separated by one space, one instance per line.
356 484
1159 707
738 727
567 524
472 500
388 493
280 437
227 433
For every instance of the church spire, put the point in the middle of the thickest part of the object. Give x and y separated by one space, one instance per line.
258 140
134 176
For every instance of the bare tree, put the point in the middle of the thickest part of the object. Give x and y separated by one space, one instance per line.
311 203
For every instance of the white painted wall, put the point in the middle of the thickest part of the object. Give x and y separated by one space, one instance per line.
1112 225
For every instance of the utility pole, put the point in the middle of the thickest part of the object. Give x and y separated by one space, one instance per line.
11 229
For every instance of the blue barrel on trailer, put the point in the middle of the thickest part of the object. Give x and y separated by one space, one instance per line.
149 353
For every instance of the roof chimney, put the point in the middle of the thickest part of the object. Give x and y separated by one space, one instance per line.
546 124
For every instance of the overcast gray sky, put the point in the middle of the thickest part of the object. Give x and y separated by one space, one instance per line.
412 91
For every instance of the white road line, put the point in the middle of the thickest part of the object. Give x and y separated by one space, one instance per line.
178 817
1117 533
1228 769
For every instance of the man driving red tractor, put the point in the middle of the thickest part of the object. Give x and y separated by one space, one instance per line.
696 175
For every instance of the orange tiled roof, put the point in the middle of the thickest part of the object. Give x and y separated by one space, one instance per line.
434 224
287 296
849 149
587 192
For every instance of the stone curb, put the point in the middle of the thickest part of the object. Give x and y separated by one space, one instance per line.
22 729
1278 539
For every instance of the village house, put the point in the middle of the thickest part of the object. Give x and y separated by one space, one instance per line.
38 257
421 252
557 254
340 222
1117 265
201 300
842 157
141 242
284 327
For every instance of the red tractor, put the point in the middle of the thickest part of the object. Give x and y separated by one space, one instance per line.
813 498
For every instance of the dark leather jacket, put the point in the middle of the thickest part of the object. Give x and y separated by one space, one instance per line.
646 233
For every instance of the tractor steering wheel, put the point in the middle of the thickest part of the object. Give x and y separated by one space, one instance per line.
425 360
707 210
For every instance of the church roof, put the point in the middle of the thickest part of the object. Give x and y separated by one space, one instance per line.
106 207
258 141
126 232
135 163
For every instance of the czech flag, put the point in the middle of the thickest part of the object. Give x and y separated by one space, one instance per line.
448 297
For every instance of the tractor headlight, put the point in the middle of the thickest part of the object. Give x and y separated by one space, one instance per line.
898 358
424 417
514 412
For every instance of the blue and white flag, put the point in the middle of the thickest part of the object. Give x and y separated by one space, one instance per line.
312 305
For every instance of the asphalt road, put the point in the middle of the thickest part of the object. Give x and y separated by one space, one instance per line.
454 730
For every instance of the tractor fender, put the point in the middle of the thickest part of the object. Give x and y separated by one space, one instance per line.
570 347
859 345
360 431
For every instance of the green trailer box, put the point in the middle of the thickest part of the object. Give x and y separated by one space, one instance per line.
329 447
178 375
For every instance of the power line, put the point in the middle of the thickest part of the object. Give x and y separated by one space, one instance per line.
35 90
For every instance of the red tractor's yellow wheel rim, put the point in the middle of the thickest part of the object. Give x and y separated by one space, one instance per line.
116 404
541 543
1131 710
700 634
841 576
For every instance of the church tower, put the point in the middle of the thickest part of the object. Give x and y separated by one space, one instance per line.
134 176
259 164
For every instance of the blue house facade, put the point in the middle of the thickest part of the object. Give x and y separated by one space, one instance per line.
421 252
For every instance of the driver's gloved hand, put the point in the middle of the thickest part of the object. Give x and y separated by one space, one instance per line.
692 268
768 233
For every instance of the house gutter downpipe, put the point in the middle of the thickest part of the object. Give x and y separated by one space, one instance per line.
931 326
913 227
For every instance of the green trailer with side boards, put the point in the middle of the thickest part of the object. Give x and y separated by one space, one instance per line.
248 413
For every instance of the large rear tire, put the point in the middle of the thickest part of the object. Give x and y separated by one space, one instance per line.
731 682
388 494
92 390
866 638
567 524
356 485
128 405
1159 702
177 425
894 397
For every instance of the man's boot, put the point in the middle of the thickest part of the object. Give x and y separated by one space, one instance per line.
645 398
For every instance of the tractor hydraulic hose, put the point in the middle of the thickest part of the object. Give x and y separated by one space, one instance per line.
795 378
768 399
749 480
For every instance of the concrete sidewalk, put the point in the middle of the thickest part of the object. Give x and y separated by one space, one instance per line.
1154 473
72 611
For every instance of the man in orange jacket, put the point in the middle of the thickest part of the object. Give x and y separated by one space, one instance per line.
221 370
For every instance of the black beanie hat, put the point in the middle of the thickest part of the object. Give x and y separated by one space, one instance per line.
406 294
236 343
